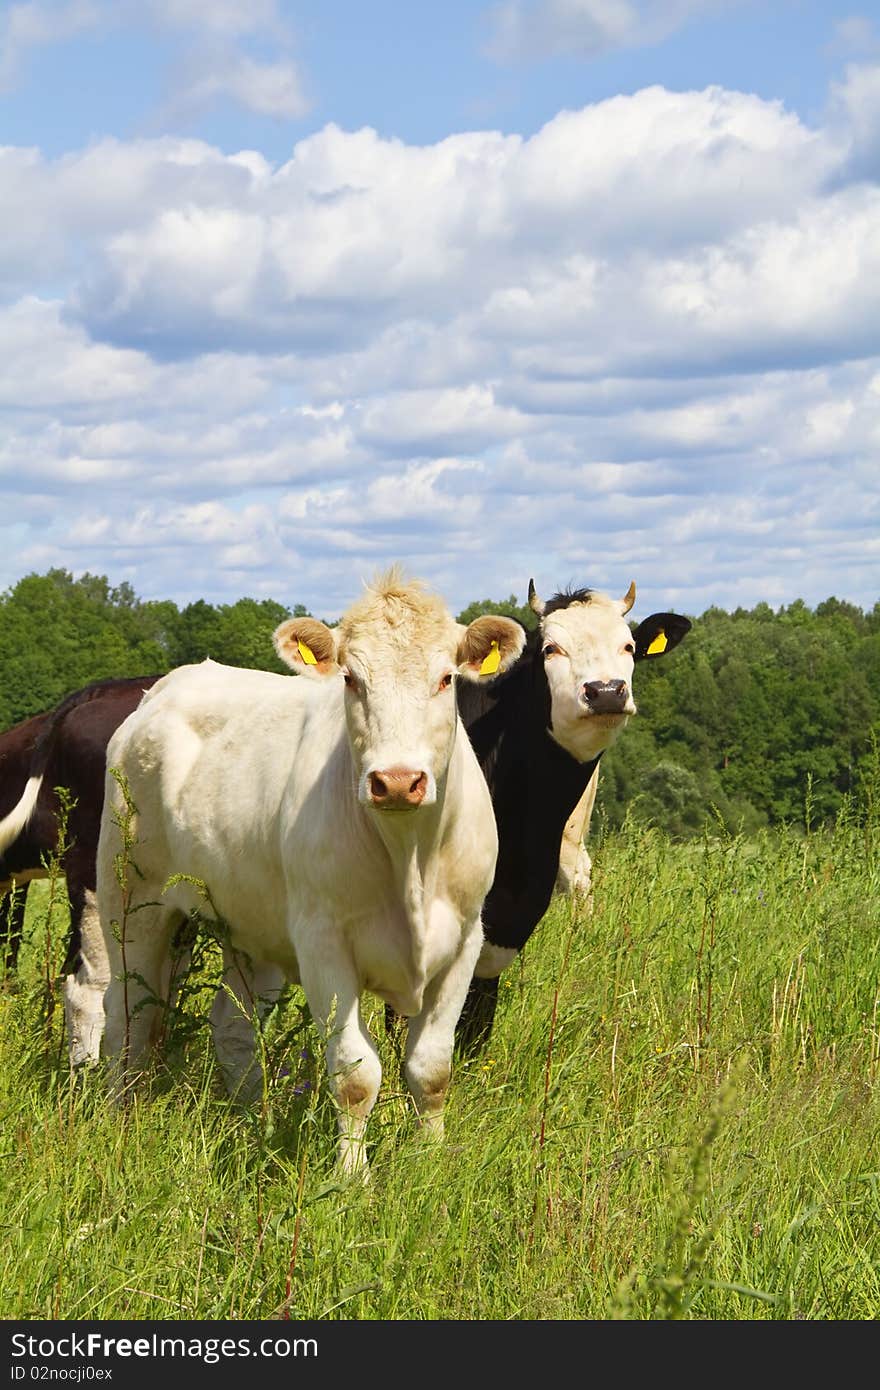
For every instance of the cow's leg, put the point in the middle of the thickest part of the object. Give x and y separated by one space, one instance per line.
478 1011
477 1016
86 977
575 864
354 1071
137 996
576 875
430 1037
247 994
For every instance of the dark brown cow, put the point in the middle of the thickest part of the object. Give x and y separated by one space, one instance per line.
64 747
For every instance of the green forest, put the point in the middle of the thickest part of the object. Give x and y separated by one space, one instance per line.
761 717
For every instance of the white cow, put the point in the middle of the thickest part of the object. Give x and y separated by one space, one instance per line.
341 826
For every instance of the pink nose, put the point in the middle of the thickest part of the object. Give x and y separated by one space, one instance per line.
397 787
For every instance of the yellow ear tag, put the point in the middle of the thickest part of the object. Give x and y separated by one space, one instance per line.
492 661
307 654
659 644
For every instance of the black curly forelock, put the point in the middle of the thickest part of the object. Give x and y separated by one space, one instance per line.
566 597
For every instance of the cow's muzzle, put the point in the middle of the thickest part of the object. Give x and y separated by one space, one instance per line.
605 697
396 788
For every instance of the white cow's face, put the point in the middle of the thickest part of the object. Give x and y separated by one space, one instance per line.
399 652
400 713
589 653
589 657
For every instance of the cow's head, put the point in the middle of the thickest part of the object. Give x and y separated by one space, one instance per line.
589 652
399 651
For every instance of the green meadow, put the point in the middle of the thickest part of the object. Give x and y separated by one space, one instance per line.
677 1117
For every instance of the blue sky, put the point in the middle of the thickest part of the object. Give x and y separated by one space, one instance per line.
418 72
584 289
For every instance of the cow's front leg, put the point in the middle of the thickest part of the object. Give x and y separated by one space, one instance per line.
331 987
575 866
427 1060
478 1012
85 984
136 1003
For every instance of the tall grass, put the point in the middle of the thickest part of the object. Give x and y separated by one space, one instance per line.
676 1117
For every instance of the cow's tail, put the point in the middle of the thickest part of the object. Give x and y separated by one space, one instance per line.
14 823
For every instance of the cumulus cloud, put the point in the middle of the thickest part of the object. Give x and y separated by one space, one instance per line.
640 344
855 109
357 236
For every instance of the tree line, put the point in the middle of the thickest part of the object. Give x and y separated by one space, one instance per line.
760 717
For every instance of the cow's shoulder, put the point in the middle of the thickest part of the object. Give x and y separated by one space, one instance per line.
501 715
209 711
207 688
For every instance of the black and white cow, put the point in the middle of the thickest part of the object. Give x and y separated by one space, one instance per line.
539 732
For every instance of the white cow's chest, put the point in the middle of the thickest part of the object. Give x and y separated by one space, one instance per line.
396 957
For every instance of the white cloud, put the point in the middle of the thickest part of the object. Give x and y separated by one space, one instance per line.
53 365
216 66
269 89
34 23
175 248
526 30
231 18
855 33
855 108
641 344
466 418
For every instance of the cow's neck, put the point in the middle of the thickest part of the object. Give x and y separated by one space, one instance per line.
549 777
413 844
409 840
537 785
557 781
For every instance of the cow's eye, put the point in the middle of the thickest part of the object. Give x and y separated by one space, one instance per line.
551 649
350 680
630 649
445 682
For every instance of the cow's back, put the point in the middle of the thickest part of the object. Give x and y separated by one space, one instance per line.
205 762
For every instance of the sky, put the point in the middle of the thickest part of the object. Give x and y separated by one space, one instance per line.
580 290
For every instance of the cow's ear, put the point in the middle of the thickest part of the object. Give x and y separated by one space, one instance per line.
657 635
488 646
308 647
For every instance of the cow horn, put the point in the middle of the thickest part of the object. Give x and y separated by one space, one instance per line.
536 604
630 598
